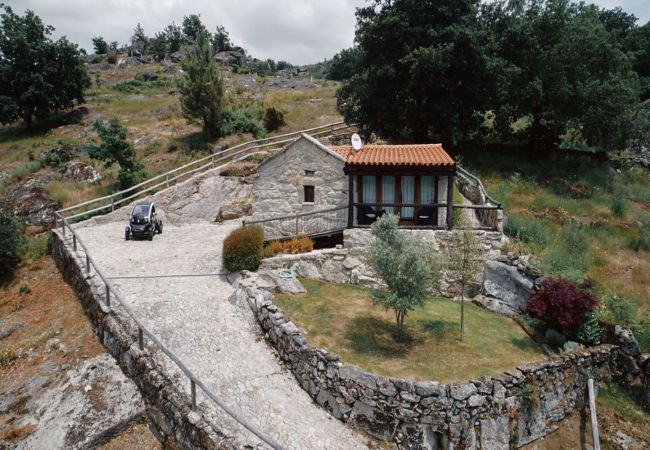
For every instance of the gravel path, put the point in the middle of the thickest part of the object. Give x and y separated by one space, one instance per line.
193 317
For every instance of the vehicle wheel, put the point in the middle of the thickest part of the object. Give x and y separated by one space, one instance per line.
126 236
151 234
160 227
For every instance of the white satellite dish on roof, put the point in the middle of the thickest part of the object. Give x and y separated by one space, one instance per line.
356 142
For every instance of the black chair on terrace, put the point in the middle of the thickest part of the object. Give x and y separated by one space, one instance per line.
366 215
427 216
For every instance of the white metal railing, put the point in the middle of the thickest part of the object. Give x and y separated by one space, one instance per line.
214 161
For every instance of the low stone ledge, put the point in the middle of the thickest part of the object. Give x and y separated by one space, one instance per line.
168 409
483 413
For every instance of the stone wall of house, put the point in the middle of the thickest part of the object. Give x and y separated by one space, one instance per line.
511 409
278 184
168 409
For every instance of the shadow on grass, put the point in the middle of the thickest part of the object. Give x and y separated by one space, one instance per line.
374 337
42 125
440 329
524 343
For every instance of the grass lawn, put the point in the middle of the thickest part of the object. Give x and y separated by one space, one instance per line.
342 318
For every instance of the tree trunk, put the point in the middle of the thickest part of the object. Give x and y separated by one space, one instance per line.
462 313
27 117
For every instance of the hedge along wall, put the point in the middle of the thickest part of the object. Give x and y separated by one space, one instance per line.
168 409
512 409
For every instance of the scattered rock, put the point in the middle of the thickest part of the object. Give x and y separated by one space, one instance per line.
171 69
177 57
234 211
129 61
6 331
149 76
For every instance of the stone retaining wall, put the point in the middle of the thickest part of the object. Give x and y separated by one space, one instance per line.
346 264
168 409
512 409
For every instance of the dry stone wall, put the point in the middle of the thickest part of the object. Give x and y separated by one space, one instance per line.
512 409
168 409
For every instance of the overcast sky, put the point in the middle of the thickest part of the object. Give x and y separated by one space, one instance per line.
298 31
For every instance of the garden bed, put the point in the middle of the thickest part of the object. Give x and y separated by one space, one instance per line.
343 319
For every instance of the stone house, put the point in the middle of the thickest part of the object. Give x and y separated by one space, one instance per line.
413 181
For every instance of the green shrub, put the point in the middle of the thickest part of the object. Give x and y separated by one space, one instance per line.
526 230
273 119
621 310
619 204
642 241
13 241
242 249
567 256
589 331
243 120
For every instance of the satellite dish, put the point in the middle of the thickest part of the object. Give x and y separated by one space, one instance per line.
356 142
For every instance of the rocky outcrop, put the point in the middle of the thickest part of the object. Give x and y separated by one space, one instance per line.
31 202
82 172
234 211
515 408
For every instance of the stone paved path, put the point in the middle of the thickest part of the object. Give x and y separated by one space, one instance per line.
193 317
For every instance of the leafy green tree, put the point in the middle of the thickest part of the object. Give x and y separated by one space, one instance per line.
13 241
37 75
174 37
201 88
221 40
193 27
464 263
113 46
100 45
637 42
423 70
282 65
406 265
344 64
114 148
563 74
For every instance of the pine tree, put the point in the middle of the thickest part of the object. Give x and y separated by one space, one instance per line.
201 88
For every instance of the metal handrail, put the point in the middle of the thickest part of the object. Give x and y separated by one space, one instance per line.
172 176
111 293
478 181
293 216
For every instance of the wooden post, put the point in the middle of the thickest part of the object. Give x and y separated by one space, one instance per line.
450 200
193 388
112 204
74 242
87 263
108 295
592 412
350 201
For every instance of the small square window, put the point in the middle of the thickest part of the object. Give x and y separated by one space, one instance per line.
309 194
310 173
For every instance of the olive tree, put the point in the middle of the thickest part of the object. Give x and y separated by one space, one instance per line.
407 266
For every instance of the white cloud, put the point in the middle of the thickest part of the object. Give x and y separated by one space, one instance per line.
300 31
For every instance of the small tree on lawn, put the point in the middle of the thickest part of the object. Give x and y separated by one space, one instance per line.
406 265
114 148
201 88
463 263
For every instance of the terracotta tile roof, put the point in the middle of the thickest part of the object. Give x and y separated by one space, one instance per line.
396 155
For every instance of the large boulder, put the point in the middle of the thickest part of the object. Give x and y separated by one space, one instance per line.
234 211
505 283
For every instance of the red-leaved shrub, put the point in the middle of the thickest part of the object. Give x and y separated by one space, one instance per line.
561 304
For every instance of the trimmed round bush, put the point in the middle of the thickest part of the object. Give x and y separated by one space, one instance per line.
242 249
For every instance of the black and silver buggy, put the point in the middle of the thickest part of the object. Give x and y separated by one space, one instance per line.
144 222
